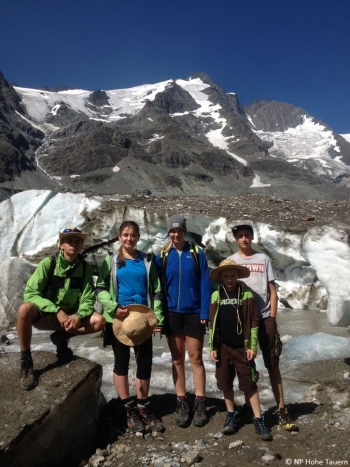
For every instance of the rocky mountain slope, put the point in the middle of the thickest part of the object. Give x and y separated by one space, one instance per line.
178 137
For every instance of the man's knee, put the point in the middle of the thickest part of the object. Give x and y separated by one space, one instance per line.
97 322
94 323
27 310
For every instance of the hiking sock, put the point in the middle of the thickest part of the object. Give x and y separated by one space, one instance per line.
181 398
142 401
127 400
26 354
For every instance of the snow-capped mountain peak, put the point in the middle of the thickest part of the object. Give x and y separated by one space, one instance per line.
187 134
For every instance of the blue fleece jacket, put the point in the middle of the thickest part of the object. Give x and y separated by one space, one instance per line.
186 292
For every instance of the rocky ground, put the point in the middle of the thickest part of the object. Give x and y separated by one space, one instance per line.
323 438
292 213
323 418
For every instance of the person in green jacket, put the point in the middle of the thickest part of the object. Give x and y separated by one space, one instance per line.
127 278
233 338
59 299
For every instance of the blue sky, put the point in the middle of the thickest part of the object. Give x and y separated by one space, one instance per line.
296 51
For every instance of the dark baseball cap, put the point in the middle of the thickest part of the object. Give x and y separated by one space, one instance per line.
238 227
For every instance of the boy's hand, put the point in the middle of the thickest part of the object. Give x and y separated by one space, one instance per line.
63 318
251 354
73 324
214 355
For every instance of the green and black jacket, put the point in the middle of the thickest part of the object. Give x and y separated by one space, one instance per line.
250 319
77 293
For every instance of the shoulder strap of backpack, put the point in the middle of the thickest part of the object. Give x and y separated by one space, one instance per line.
164 259
84 271
195 255
50 274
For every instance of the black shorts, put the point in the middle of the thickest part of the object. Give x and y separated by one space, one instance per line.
188 324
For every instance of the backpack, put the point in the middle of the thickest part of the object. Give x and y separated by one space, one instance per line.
194 253
54 283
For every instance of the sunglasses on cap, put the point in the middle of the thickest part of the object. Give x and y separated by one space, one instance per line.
75 230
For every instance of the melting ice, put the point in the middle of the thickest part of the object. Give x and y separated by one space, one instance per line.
304 348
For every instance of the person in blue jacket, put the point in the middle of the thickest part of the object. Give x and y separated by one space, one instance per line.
187 291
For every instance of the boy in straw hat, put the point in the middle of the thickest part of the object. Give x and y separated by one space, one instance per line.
59 297
233 335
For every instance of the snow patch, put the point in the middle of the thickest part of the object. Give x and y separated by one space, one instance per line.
257 183
155 138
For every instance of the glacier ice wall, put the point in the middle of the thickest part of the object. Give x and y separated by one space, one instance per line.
313 267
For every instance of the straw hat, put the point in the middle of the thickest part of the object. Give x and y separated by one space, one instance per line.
137 327
228 264
71 232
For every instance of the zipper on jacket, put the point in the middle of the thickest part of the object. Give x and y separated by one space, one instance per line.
178 295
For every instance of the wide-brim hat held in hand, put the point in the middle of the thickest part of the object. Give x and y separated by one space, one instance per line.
137 327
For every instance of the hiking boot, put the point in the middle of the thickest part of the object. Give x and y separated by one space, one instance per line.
285 420
245 415
148 418
26 374
183 413
200 416
61 339
261 429
230 426
132 418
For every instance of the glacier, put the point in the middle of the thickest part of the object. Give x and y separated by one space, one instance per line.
313 267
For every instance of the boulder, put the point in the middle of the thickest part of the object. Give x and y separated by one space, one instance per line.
54 424
14 275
